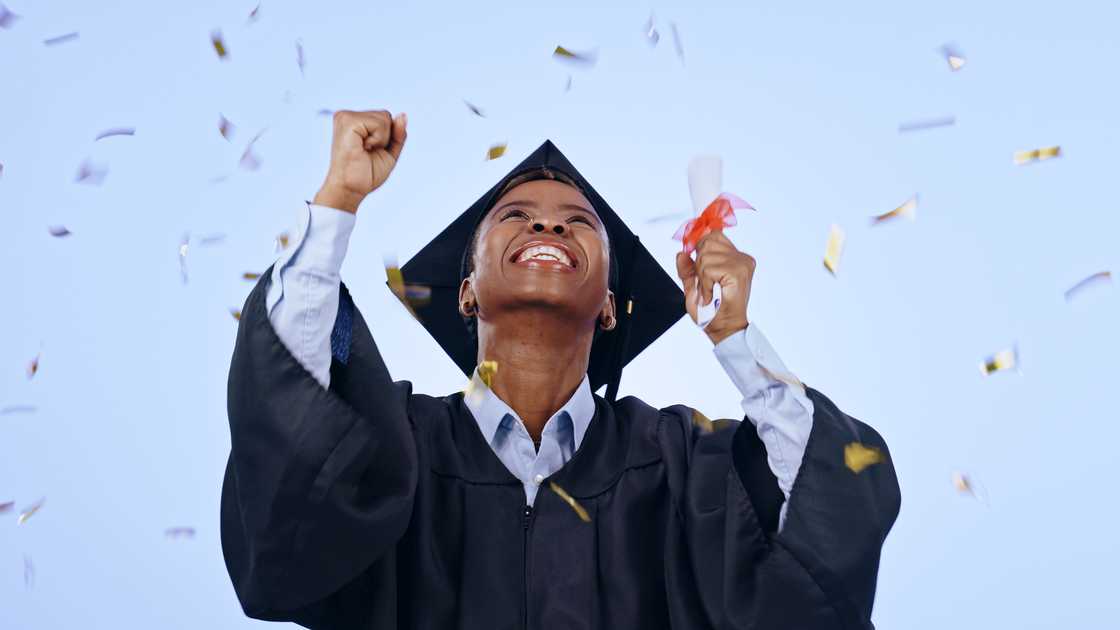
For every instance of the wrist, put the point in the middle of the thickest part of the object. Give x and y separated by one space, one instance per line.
338 198
718 333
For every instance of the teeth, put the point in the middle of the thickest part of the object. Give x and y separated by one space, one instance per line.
545 252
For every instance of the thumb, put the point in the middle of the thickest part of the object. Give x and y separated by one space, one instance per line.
399 135
686 267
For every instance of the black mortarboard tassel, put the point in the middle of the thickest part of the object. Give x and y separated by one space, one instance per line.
647 300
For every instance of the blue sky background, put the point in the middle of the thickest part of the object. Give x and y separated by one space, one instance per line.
802 99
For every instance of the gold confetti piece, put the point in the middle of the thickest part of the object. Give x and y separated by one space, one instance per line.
219 45
1036 155
961 483
61 39
833 249
908 209
702 421
179 532
966 484
1000 361
249 275
858 457
496 151
953 57
282 240
17 409
582 513
1098 279
7 18
235 313
652 36
7 506
586 59
28 571
29 512
225 127
299 56
486 371
928 123
677 41
90 173
33 367
474 109
58 231
254 14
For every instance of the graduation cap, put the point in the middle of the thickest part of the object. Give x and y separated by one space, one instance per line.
648 300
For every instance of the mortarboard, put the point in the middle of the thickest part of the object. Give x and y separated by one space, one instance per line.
648 301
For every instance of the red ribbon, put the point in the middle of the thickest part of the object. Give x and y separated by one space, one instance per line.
718 215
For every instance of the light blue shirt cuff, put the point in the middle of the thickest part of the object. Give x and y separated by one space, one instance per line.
319 246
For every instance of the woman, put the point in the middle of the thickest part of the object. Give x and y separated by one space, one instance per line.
351 502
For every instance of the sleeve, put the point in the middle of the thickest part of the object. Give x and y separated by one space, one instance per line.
320 482
303 299
819 572
774 401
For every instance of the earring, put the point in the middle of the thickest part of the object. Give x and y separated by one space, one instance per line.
607 323
467 308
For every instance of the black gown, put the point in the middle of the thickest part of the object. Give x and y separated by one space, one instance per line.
370 506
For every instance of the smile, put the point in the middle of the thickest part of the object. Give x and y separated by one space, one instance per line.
544 252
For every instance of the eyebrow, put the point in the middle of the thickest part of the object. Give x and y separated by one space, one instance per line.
533 204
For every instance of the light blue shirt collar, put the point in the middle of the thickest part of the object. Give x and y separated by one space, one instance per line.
495 418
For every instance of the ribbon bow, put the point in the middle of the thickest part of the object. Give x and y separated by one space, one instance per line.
718 215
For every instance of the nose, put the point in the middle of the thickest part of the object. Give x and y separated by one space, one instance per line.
541 226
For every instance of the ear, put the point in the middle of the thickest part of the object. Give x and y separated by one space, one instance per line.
468 303
607 316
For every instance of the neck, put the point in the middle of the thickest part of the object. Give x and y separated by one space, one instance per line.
541 363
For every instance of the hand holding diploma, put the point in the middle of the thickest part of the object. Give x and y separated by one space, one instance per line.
364 151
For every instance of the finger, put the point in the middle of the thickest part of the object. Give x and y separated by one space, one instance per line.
374 128
715 241
399 135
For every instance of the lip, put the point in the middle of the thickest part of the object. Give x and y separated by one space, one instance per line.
550 263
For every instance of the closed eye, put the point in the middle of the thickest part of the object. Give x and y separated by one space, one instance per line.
581 219
514 213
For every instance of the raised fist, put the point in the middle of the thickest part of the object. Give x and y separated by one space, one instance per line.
364 150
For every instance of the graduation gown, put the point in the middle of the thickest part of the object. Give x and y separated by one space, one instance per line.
370 506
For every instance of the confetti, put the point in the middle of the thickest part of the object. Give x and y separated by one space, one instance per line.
7 507
225 127
417 294
90 173
568 85
928 123
833 249
324 112
58 231
254 14
184 248
474 109
652 36
61 39
496 151
29 512
235 313
33 367
1036 155
585 59
1000 361
7 18
1 169
249 275
219 45
966 484
702 422
908 209
953 57
582 513
211 239
486 372
28 571
17 409
282 240
116 131
1098 279
677 41
857 457
249 160
299 56
179 532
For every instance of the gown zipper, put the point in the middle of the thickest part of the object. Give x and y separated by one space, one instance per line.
526 521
